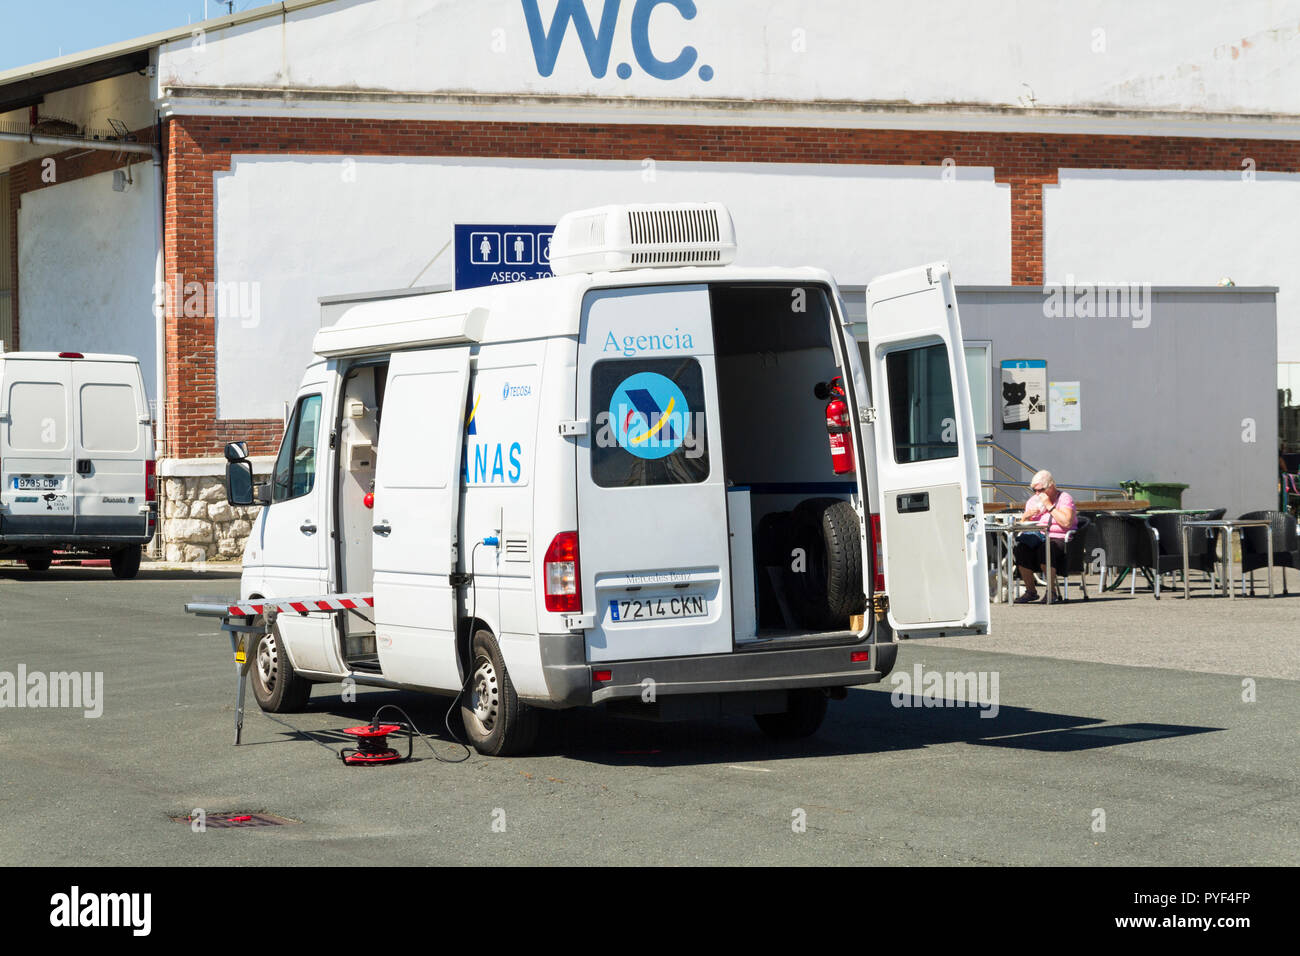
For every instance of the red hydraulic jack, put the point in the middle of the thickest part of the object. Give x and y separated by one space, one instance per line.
372 745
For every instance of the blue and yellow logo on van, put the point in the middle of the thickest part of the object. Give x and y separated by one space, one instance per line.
648 414
471 427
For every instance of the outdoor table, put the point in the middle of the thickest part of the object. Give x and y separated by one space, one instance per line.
1227 527
1006 533
1114 505
999 525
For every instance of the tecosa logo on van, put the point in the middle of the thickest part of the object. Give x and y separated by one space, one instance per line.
651 342
649 414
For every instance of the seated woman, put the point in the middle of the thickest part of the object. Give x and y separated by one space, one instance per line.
1054 511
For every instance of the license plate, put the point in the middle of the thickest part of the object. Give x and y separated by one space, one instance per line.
28 483
656 607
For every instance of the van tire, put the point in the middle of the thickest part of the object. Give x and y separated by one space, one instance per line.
829 591
277 688
38 564
772 540
125 562
497 723
802 717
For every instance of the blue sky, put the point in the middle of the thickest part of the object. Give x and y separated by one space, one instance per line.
35 30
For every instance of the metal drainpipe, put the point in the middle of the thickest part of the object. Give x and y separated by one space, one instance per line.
160 324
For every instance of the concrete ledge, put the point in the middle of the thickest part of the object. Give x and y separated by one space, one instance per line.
209 467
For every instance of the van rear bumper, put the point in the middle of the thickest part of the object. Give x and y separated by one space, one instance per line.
569 676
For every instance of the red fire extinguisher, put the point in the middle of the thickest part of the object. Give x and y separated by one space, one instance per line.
839 429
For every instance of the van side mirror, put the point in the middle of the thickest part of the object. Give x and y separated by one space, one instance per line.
240 488
236 451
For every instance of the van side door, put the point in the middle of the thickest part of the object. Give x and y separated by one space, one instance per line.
296 527
927 469
653 538
110 446
36 435
417 501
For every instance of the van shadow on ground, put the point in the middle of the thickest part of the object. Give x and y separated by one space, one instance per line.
866 722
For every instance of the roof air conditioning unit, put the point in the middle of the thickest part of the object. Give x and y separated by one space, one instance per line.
616 238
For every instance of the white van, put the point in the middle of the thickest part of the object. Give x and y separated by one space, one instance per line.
617 486
76 458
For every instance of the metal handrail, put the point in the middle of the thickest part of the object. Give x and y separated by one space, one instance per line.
1094 489
1019 483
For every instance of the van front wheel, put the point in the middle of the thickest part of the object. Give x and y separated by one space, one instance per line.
497 723
277 688
802 717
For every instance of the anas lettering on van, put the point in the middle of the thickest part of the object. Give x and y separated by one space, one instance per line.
676 340
492 463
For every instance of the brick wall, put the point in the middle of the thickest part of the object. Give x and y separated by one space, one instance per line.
198 147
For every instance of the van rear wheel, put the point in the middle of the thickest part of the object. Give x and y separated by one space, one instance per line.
802 717
125 562
277 688
497 723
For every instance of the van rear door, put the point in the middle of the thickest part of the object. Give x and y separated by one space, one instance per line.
652 511
110 445
927 471
417 504
36 448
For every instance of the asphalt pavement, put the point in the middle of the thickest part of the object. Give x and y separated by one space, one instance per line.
1125 731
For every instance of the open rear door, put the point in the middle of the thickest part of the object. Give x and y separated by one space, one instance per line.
417 500
927 468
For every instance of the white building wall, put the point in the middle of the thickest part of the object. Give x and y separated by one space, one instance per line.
1179 228
1198 55
86 258
367 224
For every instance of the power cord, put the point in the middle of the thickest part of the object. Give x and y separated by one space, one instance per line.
410 724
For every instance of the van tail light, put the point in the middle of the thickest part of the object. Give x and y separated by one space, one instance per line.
879 566
560 574
71 355
150 481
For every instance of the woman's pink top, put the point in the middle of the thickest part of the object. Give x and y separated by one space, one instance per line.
1063 500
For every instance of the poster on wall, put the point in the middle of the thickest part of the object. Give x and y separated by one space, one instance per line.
1024 395
1063 412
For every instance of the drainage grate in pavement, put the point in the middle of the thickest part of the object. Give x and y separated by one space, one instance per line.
238 821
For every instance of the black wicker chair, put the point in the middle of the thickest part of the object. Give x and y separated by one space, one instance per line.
1166 549
1254 546
1076 557
1121 541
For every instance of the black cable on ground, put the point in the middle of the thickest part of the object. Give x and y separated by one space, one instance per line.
374 722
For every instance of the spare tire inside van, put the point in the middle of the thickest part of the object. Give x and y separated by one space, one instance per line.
828 591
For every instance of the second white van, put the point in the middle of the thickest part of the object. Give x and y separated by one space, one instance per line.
76 459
